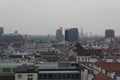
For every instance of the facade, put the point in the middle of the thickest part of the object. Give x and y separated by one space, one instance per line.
59 73
59 35
71 34
110 33
48 72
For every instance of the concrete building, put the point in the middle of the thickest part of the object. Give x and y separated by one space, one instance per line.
71 34
48 72
26 72
59 73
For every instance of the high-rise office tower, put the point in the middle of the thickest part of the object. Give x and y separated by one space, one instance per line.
1 30
59 34
109 33
71 34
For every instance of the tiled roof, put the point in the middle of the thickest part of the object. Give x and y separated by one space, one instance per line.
110 50
72 58
109 66
101 76
26 69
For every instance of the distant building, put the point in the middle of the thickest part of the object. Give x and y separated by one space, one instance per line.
71 34
81 34
87 55
59 35
10 38
1 30
109 33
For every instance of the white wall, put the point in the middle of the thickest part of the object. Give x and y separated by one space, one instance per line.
25 76
111 74
117 77
85 59
84 74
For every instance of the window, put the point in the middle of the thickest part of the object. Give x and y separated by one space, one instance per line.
88 58
30 79
29 75
19 76
6 69
14 69
82 58
68 76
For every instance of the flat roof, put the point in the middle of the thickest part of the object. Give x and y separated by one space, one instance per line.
14 64
57 67
59 72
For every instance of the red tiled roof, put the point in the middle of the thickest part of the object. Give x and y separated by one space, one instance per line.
16 45
72 58
101 76
109 66
109 50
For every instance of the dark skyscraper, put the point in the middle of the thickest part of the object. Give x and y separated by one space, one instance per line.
1 30
109 33
71 34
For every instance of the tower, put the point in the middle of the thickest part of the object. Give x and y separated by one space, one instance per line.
110 33
1 30
59 34
71 34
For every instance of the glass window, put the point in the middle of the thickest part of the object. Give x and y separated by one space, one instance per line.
30 79
6 69
77 76
88 58
14 69
19 76
68 76
82 58
29 75
73 76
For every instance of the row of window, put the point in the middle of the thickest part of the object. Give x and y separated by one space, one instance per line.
59 76
20 76
75 76
8 69
84 58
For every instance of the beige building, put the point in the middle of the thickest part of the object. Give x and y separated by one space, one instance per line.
26 72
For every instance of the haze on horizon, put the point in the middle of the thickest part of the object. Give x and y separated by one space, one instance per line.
45 16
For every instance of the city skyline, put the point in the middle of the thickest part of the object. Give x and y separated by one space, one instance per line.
41 17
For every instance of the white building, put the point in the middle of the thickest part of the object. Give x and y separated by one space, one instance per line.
26 72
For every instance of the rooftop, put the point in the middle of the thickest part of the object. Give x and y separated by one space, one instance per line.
26 68
109 66
101 76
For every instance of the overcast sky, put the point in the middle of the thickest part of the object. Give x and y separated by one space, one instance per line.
45 16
